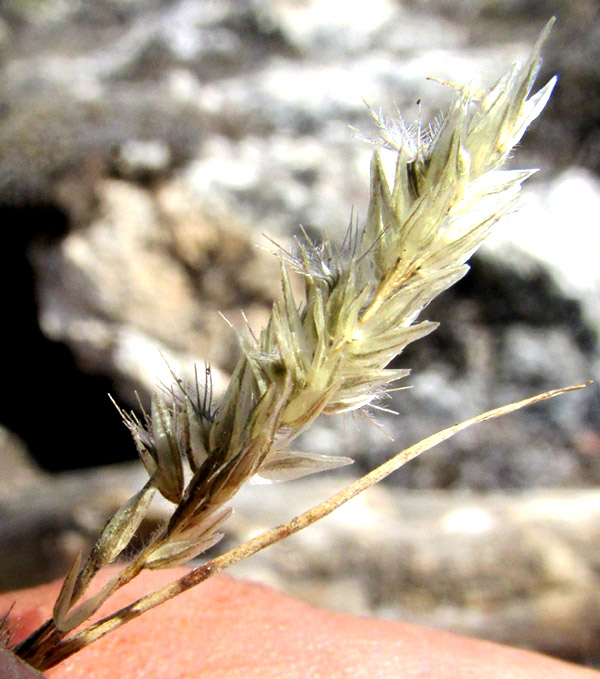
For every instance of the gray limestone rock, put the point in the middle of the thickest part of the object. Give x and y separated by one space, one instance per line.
184 131
171 136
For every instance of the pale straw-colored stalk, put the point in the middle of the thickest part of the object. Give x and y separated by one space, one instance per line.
325 354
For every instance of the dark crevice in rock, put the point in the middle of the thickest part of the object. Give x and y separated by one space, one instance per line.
507 295
495 296
64 416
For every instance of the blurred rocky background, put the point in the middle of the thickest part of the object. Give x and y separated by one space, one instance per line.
146 146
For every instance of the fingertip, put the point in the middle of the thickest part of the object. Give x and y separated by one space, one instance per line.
229 629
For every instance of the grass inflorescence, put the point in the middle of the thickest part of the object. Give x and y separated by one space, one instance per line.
326 353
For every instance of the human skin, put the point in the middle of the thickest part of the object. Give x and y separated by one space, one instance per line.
227 629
